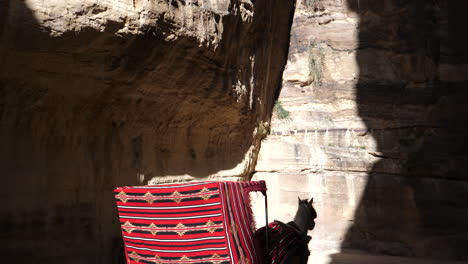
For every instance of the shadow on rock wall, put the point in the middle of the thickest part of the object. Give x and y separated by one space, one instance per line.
412 96
87 110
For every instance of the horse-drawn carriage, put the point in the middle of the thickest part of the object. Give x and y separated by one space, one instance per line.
206 222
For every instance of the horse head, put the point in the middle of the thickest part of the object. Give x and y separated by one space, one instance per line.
306 214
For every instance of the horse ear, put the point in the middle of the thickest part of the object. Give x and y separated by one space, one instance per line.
298 199
311 201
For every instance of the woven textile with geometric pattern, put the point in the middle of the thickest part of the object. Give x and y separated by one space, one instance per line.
196 222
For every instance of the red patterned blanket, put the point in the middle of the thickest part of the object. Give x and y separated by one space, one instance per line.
198 222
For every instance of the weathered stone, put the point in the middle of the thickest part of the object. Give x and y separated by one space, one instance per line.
99 94
379 89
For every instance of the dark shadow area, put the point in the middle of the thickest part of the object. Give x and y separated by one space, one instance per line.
85 111
412 94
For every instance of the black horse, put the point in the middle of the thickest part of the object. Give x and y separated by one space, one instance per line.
288 243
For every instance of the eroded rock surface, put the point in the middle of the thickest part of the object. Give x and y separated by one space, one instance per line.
377 126
99 94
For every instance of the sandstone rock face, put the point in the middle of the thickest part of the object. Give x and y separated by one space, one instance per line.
99 94
376 130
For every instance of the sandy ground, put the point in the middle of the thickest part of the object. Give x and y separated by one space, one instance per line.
357 257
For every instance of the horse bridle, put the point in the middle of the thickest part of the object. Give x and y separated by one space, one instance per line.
310 208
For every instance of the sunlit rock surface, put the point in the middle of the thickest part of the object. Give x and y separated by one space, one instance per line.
376 132
99 94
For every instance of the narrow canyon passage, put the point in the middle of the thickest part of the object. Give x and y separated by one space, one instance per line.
360 104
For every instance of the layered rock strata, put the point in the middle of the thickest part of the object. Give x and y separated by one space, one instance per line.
376 129
99 94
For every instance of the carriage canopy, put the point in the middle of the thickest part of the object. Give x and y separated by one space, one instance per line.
196 222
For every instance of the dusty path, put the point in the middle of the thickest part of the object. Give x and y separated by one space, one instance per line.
357 257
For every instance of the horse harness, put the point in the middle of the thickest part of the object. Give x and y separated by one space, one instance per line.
290 241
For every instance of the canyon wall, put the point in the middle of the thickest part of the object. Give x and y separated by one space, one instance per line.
99 94
372 122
